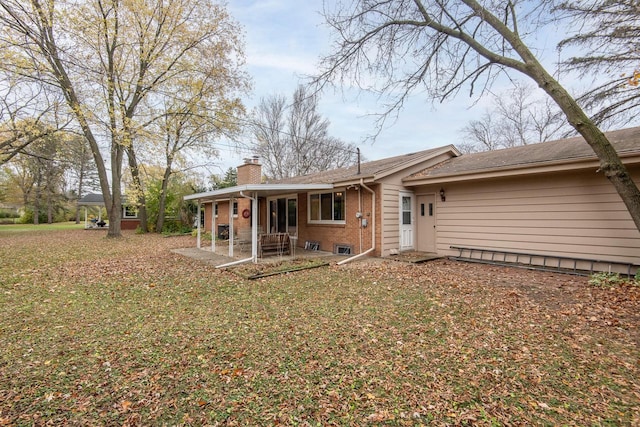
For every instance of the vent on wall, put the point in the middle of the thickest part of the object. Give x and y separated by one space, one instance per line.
342 249
310 245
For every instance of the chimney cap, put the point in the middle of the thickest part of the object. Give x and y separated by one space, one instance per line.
252 160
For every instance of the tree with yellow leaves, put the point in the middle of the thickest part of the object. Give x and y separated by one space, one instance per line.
111 60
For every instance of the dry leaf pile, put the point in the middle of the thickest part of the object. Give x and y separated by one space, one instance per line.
124 332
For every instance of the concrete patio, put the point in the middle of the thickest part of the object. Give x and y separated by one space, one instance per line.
243 251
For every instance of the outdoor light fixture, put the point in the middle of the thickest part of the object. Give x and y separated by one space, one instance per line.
442 197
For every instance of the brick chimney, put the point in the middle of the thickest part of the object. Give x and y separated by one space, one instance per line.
250 172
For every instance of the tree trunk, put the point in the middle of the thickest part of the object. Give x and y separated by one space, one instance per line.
114 213
137 183
80 182
36 201
49 208
163 200
610 163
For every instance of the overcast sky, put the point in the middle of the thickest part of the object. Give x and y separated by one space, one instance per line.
284 41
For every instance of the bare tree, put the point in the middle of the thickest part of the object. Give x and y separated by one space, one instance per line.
515 119
607 32
442 46
268 128
294 139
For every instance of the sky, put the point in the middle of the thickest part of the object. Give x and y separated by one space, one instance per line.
285 40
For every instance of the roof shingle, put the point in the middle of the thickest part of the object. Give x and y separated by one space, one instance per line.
367 169
574 148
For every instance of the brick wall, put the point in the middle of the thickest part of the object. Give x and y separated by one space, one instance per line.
250 172
349 233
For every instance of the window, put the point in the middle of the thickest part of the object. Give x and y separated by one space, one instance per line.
216 209
327 207
235 208
406 210
129 212
283 215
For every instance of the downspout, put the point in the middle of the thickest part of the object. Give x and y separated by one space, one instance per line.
254 235
373 226
360 219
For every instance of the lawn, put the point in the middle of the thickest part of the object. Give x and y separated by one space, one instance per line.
98 331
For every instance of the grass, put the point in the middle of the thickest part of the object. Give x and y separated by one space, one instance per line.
24 228
99 331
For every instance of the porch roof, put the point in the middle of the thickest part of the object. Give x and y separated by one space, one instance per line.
261 190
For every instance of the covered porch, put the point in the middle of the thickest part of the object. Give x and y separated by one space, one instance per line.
267 226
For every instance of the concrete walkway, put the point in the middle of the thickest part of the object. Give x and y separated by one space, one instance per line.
205 256
216 258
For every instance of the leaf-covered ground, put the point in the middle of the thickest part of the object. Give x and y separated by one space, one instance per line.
97 331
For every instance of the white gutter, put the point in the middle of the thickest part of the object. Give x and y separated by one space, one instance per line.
373 226
232 263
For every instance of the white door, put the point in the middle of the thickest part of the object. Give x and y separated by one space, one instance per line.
406 221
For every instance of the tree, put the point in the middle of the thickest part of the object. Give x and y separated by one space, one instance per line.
81 170
444 45
106 57
515 119
190 123
229 179
607 33
27 113
38 170
294 139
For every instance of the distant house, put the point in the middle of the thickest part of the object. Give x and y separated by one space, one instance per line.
545 199
129 219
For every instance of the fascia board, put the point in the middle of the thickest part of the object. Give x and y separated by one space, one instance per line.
557 166
251 188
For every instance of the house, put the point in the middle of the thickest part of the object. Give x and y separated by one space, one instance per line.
543 199
129 219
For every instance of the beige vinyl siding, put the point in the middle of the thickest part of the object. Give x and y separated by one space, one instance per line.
573 215
390 217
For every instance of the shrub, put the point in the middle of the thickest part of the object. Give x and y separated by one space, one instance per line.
607 280
176 227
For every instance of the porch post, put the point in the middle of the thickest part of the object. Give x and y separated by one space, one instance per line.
254 227
213 226
231 201
198 233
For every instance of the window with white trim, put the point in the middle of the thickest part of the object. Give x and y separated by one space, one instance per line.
216 209
235 208
129 211
327 207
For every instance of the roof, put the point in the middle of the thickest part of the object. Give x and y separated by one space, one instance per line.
372 170
262 189
91 199
569 150
96 199
327 179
